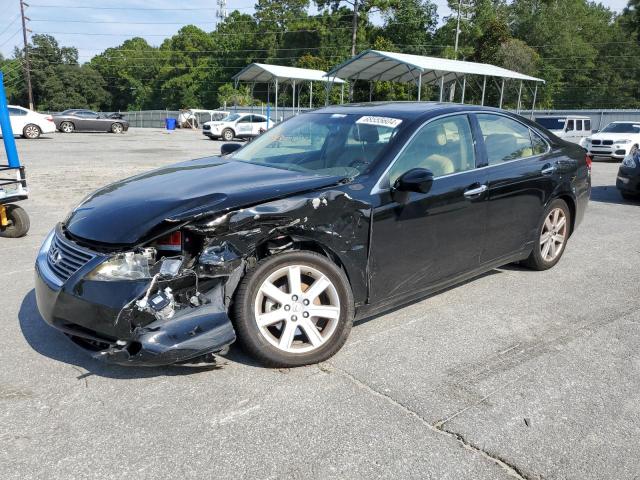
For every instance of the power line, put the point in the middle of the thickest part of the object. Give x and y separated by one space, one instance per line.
9 38
9 24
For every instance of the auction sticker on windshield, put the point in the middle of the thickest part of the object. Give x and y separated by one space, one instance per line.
379 121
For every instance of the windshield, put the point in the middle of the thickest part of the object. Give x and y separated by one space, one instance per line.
552 123
231 118
621 128
323 143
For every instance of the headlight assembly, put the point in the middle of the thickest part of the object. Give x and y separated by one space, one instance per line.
124 266
629 161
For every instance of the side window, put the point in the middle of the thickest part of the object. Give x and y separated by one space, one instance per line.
258 119
587 124
579 125
538 144
504 138
444 146
570 126
245 119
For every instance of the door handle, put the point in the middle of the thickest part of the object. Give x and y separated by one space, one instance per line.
548 169
474 192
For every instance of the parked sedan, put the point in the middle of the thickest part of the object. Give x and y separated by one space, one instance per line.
332 215
628 181
28 123
89 121
237 125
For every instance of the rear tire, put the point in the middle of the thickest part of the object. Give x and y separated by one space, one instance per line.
553 233
31 131
228 135
18 222
67 127
628 196
117 128
293 329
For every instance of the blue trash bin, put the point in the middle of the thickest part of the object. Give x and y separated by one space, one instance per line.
170 123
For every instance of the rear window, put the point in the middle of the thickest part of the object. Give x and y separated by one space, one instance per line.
552 123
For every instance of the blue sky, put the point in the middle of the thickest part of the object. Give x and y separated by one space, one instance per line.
81 29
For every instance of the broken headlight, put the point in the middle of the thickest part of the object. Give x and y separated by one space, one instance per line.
124 266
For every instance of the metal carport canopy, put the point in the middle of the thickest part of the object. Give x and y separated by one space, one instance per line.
280 74
263 73
376 65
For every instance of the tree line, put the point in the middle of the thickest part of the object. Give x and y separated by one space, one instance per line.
584 51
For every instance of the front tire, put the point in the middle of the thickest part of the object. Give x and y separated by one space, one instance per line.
117 128
228 135
31 131
18 222
553 234
293 309
67 127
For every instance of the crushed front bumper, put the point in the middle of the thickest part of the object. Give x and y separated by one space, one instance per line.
89 312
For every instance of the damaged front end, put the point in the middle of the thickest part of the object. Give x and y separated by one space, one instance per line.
154 305
167 300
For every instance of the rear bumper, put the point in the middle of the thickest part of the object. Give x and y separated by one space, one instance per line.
89 312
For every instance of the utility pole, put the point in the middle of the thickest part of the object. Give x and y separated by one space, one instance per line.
455 49
27 63
221 11
452 93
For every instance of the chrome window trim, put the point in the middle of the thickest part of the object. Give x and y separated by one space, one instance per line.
378 188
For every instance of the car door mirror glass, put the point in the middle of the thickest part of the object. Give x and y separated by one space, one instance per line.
415 180
228 148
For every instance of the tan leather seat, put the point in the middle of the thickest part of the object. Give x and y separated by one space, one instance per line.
432 143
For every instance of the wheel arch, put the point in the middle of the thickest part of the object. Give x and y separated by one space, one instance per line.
571 203
290 242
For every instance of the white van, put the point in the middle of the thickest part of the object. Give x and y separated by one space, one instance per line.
571 128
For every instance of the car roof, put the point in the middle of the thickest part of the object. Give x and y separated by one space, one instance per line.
630 122
571 117
405 110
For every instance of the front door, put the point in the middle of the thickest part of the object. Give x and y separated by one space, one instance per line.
425 239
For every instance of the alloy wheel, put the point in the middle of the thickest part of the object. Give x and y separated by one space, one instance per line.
553 235
116 128
31 131
297 309
66 127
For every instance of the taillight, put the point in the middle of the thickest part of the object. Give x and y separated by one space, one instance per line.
588 161
172 242
49 118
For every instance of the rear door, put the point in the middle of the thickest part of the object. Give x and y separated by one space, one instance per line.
259 124
420 240
521 177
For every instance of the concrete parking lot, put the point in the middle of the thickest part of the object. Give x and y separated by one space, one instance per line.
516 374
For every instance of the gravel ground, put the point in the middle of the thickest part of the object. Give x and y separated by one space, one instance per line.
516 374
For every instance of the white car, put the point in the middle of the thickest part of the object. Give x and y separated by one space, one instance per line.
28 123
615 140
237 125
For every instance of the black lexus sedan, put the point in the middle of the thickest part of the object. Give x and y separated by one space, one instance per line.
628 181
332 215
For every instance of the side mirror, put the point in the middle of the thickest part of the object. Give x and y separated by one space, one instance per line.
415 180
228 148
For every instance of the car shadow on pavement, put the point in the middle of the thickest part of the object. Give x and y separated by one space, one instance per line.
53 344
610 194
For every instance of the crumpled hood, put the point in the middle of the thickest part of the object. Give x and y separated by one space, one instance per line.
125 212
